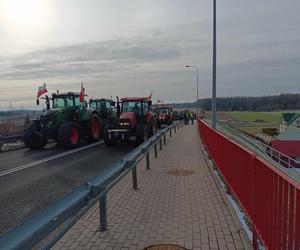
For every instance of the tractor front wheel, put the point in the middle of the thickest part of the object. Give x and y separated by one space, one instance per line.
141 133
109 141
95 129
68 135
33 138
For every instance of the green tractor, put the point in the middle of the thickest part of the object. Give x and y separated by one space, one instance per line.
68 121
106 109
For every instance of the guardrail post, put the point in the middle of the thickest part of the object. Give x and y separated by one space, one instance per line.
134 178
160 144
103 212
148 161
175 129
155 150
170 133
165 139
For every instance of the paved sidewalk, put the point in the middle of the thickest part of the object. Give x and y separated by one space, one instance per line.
178 202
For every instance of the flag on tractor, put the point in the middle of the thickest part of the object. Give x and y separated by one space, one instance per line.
42 90
150 96
159 101
82 93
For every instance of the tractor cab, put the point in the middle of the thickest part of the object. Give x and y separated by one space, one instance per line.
105 107
165 115
66 100
135 110
163 110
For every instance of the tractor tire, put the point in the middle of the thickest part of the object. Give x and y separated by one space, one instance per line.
141 133
68 135
110 142
154 128
95 128
33 138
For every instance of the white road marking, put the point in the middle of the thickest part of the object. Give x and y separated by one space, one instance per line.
32 164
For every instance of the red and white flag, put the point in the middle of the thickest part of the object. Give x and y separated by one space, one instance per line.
150 96
42 90
82 93
159 101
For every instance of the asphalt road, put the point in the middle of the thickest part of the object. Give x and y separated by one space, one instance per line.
32 180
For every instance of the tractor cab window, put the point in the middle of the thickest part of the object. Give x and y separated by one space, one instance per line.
77 101
63 101
132 107
104 104
146 107
94 105
163 110
58 102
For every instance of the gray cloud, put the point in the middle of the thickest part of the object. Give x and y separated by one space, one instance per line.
89 59
258 50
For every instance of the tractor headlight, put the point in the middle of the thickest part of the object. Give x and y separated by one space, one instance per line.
124 124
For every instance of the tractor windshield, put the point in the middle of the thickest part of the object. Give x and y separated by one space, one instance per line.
132 107
103 104
163 110
65 101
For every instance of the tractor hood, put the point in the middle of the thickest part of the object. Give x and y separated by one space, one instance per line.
48 115
128 117
53 117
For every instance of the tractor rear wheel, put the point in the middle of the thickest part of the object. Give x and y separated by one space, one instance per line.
33 138
68 135
109 141
95 129
141 133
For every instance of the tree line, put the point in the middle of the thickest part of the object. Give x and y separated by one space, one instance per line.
249 103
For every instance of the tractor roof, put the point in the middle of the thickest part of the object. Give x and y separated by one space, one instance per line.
101 99
135 99
65 94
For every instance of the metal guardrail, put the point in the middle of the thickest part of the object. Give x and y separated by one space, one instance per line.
269 197
64 213
267 151
280 157
8 139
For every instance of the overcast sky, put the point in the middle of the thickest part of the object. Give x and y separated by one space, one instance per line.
129 47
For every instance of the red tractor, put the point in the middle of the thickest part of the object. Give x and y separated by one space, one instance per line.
135 119
165 115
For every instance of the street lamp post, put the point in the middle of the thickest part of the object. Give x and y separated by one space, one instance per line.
214 72
197 105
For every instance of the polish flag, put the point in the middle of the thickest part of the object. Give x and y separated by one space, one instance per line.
42 90
82 93
150 96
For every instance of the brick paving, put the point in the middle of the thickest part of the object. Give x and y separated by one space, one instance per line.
185 210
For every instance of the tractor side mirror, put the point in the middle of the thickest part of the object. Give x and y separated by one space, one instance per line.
37 102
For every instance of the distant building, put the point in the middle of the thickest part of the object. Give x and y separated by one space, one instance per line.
288 141
289 120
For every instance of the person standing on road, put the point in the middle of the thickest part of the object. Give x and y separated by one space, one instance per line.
192 117
186 118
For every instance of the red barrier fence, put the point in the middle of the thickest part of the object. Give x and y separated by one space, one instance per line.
270 198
